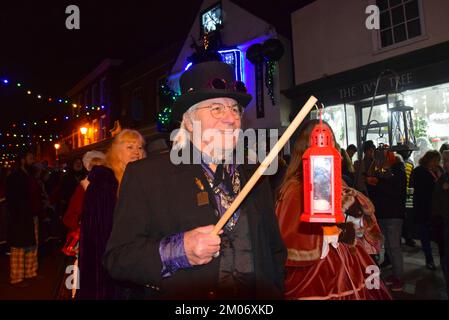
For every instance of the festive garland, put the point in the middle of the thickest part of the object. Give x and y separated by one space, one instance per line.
166 99
270 68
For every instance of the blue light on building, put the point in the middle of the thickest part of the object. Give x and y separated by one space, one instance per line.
234 57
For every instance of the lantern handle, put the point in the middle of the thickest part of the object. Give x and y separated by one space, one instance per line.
320 111
317 107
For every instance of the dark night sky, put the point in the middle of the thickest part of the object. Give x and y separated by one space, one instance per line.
37 49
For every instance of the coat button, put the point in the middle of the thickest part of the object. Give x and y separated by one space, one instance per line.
211 295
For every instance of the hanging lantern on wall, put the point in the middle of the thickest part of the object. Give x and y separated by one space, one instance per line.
400 128
322 178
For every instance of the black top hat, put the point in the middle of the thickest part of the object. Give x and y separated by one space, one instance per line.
208 80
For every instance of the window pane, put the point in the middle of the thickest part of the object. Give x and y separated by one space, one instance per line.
394 2
412 10
399 33
386 38
430 117
385 21
378 136
382 4
414 28
397 15
379 113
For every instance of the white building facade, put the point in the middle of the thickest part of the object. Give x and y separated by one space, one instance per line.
341 48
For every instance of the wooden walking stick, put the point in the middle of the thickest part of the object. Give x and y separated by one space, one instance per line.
265 163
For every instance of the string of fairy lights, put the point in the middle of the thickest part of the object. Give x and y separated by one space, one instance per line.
79 110
24 134
82 111
20 86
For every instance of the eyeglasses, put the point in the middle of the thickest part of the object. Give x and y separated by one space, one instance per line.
217 83
218 110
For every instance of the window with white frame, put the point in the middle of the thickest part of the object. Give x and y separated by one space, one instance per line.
400 20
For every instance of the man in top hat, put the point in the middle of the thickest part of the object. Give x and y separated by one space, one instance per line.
161 238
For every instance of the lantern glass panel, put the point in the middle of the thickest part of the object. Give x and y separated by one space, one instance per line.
322 176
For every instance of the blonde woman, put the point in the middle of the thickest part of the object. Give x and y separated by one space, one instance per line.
96 221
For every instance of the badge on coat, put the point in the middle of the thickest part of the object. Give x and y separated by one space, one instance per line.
202 197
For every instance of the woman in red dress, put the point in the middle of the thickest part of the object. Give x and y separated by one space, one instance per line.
323 262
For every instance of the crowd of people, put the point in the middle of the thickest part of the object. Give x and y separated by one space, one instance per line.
409 202
141 227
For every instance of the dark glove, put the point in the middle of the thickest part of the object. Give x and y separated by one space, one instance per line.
347 235
355 210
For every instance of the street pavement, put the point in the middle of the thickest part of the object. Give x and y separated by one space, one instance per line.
420 283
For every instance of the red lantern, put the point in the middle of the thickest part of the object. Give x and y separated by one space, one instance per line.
322 178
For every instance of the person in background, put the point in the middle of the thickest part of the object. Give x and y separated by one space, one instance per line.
408 226
42 204
72 216
49 206
70 181
23 204
351 150
388 193
423 144
439 170
97 215
423 181
444 147
362 167
68 184
440 209
437 223
347 168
